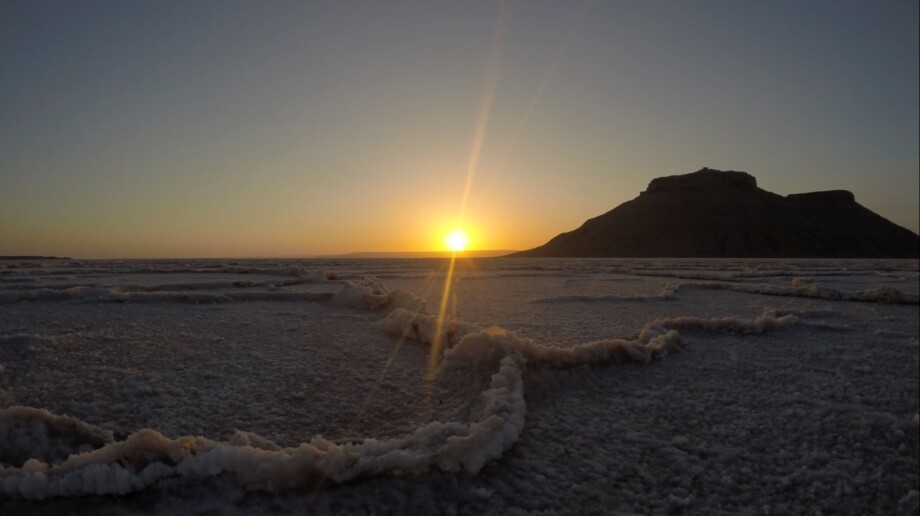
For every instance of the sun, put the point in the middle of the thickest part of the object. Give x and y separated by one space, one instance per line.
457 239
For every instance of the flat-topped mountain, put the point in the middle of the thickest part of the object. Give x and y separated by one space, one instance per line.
714 213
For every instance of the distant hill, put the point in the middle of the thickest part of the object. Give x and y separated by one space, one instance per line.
25 257
713 213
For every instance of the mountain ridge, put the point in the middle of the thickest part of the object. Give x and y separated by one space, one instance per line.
713 213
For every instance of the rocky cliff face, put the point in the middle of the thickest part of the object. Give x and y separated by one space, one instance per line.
713 213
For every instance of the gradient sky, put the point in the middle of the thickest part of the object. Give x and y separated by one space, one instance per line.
207 129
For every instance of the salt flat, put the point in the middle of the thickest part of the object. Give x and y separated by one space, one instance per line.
560 386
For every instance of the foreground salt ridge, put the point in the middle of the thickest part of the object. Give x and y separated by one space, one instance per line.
67 457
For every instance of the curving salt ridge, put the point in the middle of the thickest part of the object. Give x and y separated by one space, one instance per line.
798 287
801 288
119 296
174 292
45 455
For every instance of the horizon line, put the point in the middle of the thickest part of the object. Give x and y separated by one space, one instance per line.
474 253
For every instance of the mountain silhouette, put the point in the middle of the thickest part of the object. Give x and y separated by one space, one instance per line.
714 213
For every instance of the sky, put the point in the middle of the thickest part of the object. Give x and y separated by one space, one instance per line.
256 129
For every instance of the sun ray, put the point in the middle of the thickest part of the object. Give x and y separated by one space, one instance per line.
485 108
482 122
435 353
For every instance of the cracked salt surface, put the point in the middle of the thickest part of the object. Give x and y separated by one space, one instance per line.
565 386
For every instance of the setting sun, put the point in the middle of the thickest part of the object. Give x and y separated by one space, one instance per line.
457 240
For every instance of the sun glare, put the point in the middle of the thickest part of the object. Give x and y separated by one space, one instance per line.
456 240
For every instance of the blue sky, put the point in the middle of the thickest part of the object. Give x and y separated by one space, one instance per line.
286 128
